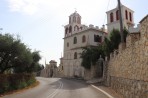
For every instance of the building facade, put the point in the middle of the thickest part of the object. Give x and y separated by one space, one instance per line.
77 36
113 18
50 69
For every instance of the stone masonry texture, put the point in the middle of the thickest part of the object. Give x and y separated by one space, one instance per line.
128 68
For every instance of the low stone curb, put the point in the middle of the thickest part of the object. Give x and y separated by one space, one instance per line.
102 91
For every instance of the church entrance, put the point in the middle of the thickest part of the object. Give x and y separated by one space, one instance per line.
51 73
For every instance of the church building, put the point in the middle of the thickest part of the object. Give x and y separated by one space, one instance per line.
50 69
76 36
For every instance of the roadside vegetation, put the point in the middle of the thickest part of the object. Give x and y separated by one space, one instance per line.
17 63
91 54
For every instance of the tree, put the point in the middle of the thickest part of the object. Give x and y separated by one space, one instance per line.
34 65
10 50
115 38
90 55
107 47
39 67
16 55
125 33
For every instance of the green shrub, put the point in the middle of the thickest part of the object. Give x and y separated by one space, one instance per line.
4 84
31 81
15 81
22 84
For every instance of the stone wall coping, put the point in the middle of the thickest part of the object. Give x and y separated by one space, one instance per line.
143 18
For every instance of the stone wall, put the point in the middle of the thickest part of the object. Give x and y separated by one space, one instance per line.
95 72
91 73
128 68
129 88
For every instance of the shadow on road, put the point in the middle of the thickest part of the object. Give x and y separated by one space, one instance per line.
71 83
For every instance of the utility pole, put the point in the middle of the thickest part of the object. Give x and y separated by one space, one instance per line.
121 23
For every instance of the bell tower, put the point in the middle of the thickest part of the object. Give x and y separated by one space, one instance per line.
74 24
75 18
113 18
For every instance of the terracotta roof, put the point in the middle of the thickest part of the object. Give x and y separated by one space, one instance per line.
144 18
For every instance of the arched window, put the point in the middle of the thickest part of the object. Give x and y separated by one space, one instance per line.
75 40
96 38
83 39
126 14
66 30
69 20
74 19
81 28
111 17
75 55
117 15
70 29
130 14
78 20
67 44
76 28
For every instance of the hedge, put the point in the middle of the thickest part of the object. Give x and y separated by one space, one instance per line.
9 82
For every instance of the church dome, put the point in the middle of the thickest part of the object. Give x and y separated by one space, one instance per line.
75 14
75 18
52 61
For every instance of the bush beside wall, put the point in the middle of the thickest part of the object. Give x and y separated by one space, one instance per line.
9 82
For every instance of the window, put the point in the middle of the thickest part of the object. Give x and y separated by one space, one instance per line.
62 68
74 19
78 20
130 16
117 15
75 55
97 38
67 44
75 40
76 28
66 30
83 39
111 17
70 29
69 20
81 28
126 14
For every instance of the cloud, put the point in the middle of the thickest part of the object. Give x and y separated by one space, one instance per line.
29 7
61 9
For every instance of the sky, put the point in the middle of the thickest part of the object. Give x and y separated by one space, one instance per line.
40 22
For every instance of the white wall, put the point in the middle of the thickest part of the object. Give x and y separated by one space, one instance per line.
73 66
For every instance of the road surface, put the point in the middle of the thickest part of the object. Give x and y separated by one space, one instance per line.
59 88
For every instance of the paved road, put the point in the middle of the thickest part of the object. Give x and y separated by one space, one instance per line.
59 88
